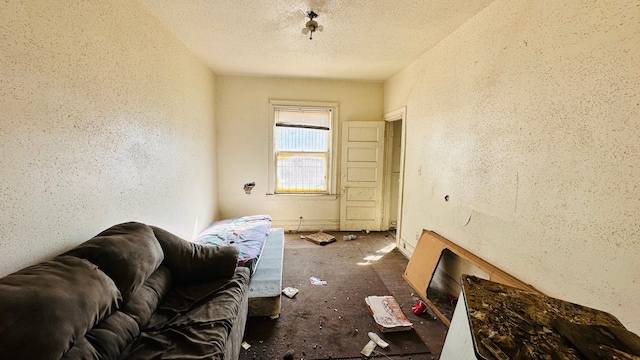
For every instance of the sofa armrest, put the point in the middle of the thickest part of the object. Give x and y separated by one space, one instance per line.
191 262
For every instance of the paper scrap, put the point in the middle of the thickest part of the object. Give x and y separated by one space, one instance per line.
245 345
290 292
316 281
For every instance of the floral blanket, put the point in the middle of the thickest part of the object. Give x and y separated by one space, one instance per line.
248 233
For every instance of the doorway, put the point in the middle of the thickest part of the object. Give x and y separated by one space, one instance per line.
394 167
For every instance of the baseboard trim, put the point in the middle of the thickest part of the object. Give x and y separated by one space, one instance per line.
405 248
307 225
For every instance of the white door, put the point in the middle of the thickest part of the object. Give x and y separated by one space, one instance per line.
361 175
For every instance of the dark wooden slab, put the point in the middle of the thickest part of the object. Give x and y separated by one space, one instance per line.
523 325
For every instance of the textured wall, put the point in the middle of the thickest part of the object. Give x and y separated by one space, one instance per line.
106 117
528 117
243 124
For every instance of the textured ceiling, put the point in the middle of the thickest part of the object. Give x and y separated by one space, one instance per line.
368 40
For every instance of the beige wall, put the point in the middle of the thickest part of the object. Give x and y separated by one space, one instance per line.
243 143
105 118
528 117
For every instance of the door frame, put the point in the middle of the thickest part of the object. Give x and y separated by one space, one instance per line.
396 115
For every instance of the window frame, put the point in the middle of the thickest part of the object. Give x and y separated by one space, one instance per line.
332 168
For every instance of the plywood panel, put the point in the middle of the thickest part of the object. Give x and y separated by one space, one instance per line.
424 261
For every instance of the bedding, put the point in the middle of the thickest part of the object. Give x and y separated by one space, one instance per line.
248 233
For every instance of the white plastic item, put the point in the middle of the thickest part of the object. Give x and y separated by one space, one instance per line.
368 349
375 338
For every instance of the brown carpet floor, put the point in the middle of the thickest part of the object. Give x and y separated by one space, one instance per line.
331 321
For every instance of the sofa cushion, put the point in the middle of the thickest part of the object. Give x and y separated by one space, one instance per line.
127 252
145 301
46 307
192 263
107 340
194 321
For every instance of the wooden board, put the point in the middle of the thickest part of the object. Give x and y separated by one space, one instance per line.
424 261
525 325
321 238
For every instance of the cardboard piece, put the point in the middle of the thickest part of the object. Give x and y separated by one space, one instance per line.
387 314
424 261
321 238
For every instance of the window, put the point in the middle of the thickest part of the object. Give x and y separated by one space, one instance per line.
302 148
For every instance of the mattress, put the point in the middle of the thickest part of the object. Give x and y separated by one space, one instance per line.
266 284
248 233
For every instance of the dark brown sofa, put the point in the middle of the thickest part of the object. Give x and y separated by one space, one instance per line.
132 292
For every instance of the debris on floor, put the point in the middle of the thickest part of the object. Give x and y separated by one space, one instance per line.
289 355
374 341
321 238
316 281
245 345
377 339
387 314
349 237
290 292
419 308
368 349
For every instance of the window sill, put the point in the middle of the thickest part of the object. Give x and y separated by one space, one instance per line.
303 197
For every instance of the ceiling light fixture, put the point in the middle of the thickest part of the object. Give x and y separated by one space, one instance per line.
311 26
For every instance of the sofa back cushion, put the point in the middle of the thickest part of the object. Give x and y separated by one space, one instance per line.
194 263
45 308
127 252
